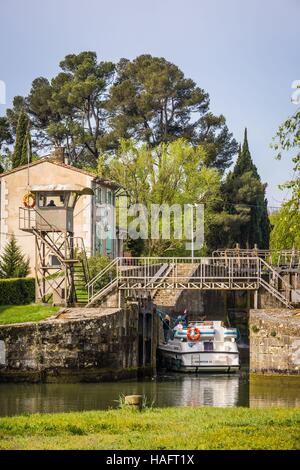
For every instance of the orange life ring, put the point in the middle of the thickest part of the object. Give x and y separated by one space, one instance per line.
29 200
193 334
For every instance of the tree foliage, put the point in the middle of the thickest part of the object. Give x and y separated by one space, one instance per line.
171 173
153 102
70 109
5 140
243 217
285 226
23 141
13 263
286 221
90 105
287 139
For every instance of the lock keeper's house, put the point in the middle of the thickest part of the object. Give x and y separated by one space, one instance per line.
90 214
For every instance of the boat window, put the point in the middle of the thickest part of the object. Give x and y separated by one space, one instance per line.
208 346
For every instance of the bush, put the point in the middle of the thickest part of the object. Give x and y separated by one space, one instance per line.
97 264
17 291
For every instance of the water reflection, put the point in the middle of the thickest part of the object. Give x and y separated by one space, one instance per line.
166 390
203 390
275 391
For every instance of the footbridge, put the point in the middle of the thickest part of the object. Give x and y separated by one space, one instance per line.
158 276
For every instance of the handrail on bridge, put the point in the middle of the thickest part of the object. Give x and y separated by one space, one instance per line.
225 273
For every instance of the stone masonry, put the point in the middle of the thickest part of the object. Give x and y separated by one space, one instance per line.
72 346
275 341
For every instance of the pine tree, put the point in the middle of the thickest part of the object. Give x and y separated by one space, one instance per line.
22 140
13 263
246 201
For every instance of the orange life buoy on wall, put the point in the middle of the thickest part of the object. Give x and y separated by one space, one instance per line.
193 334
29 200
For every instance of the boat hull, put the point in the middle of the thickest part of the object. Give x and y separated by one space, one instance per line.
214 361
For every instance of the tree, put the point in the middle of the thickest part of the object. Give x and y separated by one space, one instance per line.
287 139
5 140
23 141
12 262
153 102
90 105
285 226
70 109
171 173
286 221
12 115
243 218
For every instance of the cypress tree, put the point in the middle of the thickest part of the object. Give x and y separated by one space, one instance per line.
244 161
26 147
13 263
246 200
22 138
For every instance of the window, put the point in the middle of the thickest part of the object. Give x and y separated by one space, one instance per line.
208 346
54 261
51 200
98 194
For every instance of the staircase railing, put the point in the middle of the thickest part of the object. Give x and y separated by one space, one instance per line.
273 291
80 254
95 281
275 279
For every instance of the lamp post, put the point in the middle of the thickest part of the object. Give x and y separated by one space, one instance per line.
192 230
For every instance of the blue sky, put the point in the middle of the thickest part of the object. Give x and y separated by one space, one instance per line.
245 54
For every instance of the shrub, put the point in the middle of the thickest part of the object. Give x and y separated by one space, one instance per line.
97 264
17 291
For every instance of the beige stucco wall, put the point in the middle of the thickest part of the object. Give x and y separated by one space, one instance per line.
13 187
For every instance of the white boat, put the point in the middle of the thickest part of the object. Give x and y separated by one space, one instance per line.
206 346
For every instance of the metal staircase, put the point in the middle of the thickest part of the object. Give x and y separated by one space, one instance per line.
61 263
167 297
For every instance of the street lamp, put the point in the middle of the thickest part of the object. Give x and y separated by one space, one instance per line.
192 229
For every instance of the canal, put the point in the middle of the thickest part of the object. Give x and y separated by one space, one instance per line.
165 390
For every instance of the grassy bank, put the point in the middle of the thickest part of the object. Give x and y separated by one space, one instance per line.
168 428
25 313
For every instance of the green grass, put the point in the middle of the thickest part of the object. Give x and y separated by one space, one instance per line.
25 313
167 428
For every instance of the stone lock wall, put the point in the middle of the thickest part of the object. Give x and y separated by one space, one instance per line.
275 341
94 348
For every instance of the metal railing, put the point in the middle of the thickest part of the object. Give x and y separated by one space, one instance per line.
285 259
27 218
95 285
168 273
198 271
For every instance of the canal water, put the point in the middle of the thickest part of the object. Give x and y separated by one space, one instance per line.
165 390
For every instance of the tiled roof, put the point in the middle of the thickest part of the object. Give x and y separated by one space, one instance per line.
97 179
